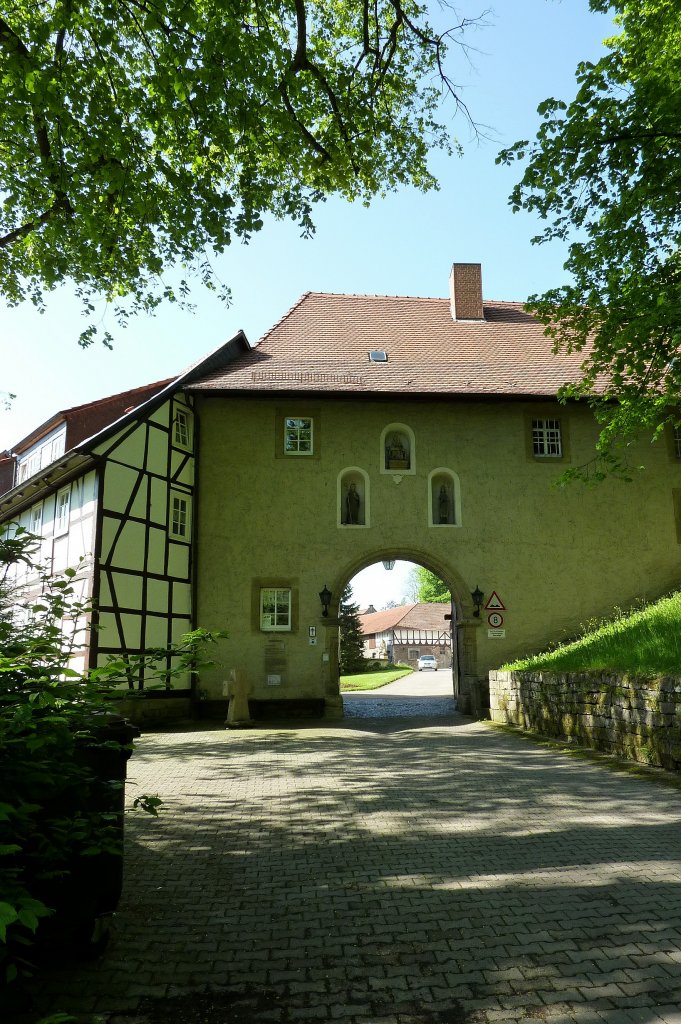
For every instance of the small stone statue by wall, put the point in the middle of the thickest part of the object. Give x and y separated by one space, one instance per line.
352 505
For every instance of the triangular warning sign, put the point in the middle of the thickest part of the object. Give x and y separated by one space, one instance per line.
495 603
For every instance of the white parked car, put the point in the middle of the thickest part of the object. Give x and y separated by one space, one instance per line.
427 661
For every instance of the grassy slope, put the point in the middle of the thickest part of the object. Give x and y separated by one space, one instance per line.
646 641
372 680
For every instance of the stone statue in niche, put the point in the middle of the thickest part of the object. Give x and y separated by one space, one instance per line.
352 505
396 454
443 505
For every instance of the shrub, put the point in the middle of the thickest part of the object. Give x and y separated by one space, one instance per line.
60 805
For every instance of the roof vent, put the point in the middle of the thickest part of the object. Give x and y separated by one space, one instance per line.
465 291
378 356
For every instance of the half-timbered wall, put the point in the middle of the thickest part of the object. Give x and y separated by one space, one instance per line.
146 513
65 520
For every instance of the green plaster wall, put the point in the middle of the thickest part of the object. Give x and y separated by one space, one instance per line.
555 556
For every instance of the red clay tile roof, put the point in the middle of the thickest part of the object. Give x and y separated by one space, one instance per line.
322 345
378 622
427 616
407 616
92 416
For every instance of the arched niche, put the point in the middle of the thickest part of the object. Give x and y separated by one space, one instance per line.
352 503
398 450
444 498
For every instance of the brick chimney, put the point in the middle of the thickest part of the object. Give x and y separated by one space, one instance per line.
465 291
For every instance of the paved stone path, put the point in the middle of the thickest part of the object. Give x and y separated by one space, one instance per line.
389 871
421 694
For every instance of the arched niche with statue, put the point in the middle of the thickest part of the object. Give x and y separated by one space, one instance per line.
398 450
444 498
352 503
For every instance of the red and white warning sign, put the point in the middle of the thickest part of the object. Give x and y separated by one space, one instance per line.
495 603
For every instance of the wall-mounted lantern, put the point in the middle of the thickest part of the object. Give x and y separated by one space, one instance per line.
477 596
389 563
325 598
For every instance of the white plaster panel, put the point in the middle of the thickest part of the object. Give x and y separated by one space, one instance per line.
178 561
108 630
156 631
132 630
129 449
157 595
157 454
129 550
161 415
109 528
118 484
159 501
182 598
104 592
60 553
157 551
187 474
128 589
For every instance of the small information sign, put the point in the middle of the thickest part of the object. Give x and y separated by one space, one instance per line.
496 634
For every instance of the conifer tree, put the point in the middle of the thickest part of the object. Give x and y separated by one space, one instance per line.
351 637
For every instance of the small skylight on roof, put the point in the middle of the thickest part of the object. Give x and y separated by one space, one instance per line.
378 356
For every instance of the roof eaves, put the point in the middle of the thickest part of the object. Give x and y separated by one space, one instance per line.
207 364
83 449
61 417
43 482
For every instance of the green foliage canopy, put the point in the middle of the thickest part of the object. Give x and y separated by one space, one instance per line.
136 136
429 588
605 172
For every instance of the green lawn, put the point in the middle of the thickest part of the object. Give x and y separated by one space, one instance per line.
372 680
645 641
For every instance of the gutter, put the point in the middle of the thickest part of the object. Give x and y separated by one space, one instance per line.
48 480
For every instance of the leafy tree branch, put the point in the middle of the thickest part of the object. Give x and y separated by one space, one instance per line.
604 173
140 136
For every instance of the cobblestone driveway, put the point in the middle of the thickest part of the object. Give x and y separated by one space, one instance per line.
389 872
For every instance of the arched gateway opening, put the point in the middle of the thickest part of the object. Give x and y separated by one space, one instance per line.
409 632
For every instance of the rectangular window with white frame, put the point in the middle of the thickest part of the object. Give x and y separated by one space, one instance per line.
180 515
298 435
36 519
547 442
275 609
57 446
62 511
182 428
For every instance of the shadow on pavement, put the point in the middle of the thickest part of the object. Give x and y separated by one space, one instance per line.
396 874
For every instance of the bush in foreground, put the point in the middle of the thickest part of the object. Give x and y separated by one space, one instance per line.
61 788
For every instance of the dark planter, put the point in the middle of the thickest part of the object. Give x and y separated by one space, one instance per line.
86 896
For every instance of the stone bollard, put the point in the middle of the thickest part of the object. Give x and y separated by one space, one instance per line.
237 689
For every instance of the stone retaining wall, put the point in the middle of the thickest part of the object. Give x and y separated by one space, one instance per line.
638 717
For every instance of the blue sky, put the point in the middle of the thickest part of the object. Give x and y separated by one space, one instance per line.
402 244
